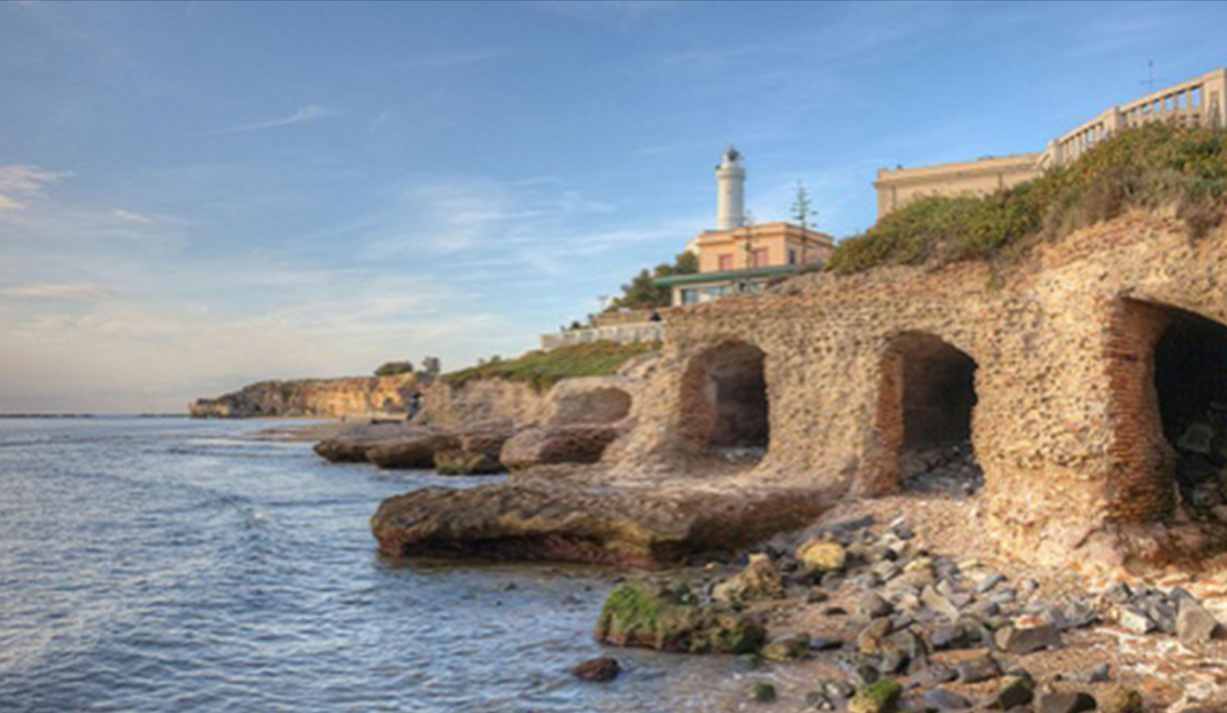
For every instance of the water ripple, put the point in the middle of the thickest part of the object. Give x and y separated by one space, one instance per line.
151 565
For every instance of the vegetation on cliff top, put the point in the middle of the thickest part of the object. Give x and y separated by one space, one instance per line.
543 369
430 369
642 293
1147 167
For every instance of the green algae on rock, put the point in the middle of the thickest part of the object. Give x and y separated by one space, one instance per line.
672 619
878 697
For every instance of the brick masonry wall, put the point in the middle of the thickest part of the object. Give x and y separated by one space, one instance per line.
1066 424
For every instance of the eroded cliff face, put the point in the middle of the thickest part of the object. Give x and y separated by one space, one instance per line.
325 398
482 400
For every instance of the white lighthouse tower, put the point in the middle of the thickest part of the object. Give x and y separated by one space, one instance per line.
730 200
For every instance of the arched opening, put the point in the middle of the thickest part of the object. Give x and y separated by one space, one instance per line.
926 403
1190 379
725 401
602 405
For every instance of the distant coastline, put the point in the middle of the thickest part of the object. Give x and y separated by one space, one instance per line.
92 415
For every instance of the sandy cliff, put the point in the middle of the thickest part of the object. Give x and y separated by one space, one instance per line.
327 398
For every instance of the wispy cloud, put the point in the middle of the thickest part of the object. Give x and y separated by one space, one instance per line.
20 183
447 216
305 115
44 290
128 216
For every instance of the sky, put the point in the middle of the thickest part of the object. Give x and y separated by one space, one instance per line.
198 195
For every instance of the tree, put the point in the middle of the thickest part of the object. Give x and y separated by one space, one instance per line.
431 368
803 213
641 293
393 368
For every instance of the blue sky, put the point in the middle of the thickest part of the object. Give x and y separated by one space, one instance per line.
194 196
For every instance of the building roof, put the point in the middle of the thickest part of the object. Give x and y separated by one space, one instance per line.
1028 162
727 275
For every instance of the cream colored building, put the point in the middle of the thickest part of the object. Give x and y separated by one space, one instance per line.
744 259
1198 102
738 257
899 186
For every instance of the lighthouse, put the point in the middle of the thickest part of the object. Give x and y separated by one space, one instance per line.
730 197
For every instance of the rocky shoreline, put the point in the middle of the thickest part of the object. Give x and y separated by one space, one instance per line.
827 603
857 616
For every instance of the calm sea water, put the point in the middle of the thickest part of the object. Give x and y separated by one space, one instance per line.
176 565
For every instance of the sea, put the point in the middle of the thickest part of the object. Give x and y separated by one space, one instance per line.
167 564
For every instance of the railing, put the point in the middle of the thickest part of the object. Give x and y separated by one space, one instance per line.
630 316
1199 102
623 334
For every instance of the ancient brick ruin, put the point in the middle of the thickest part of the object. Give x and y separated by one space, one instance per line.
1073 374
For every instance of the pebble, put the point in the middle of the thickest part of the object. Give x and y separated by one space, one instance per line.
1195 624
1025 640
1016 691
825 644
981 668
945 700
1135 621
931 676
599 670
762 692
1077 702
873 606
990 583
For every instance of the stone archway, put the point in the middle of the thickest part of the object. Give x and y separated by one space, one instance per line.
1170 401
725 407
925 407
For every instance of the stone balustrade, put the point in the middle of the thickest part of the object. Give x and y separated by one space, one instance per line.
1198 102
622 334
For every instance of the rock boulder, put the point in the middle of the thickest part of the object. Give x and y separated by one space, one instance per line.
657 617
552 521
415 452
550 445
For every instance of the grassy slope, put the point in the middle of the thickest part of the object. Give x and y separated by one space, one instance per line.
1146 167
544 369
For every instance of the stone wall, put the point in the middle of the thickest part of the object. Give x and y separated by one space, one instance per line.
1065 421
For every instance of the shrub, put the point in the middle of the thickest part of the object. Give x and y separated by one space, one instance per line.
1150 166
543 369
394 368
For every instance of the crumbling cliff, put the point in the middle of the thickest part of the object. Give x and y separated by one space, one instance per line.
1081 381
325 398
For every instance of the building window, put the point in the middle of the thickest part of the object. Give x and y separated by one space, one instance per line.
792 256
726 262
759 257
690 296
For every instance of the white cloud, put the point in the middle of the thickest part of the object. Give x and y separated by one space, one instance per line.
448 216
20 183
44 290
130 217
307 114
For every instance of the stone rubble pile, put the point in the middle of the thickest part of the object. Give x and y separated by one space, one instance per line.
949 469
1201 471
910 605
